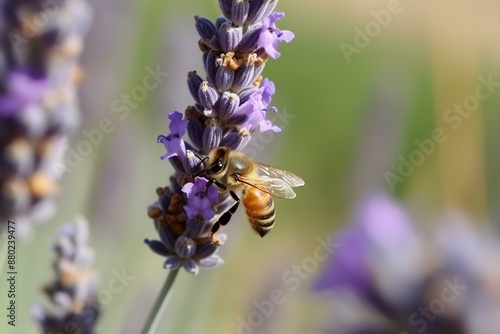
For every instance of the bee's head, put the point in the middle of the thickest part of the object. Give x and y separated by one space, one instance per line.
216 160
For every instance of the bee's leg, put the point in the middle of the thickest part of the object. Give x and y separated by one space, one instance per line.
226 216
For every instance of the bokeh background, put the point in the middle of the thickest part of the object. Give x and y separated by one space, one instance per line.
351 121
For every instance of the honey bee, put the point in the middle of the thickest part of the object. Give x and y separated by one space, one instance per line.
234 171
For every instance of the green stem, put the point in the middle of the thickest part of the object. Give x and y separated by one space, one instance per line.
160 304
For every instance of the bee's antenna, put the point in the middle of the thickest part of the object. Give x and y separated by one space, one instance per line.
202 160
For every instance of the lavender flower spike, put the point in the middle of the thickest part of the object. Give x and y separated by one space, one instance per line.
39 75
230 104
74 292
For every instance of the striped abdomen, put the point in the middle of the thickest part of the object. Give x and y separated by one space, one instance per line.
260 210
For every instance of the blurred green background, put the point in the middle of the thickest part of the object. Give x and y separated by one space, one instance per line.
350 123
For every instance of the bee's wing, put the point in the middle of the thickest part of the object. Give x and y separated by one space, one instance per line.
274 181
291 179
272 186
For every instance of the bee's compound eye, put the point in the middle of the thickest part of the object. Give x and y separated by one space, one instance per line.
239 165
216 167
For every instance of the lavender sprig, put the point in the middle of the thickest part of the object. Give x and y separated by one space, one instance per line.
229 105
39 73
74 292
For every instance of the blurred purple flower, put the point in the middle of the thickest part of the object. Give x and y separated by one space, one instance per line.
200 200
271 37
381 226
389 279
350 266
23 90
39 76
75 289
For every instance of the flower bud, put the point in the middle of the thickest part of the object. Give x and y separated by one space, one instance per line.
229 37
211 136
247 73
236 139
225 6
194 229
250 40
239 11
211 66
208 95
224 78
219 22
260 9
207 250
194 81
246 93
185 247
208 32
228 103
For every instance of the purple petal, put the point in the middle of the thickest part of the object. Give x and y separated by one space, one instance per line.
207 214
158 247
172 263
349 266
271 37
175 146
177 124
191 213
22 91
199 201
210 262
200 183
205 250
286 36
266 125
191 266
167 238
187 189
267 89
273 17
385 223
